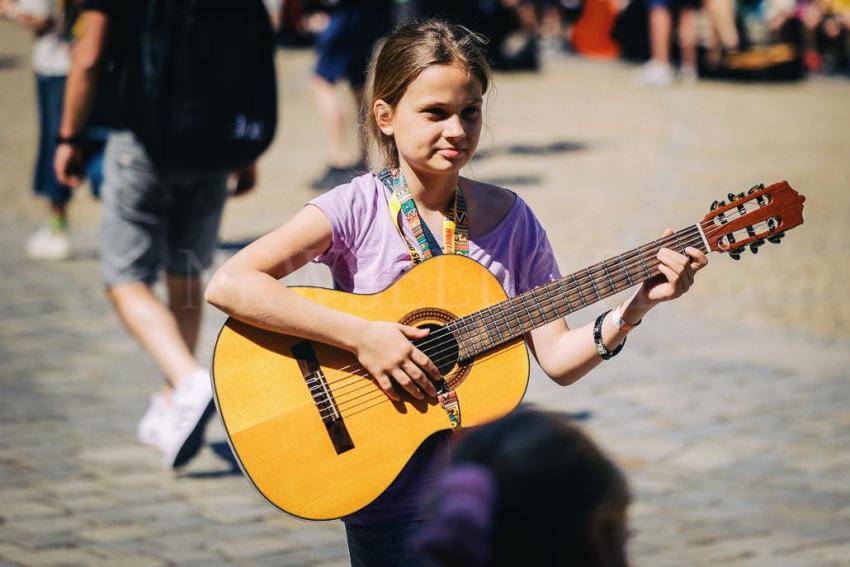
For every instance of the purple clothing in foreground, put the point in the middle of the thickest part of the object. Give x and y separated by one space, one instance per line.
367 255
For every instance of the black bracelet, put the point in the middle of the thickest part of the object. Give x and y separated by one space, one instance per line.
597 339
77 141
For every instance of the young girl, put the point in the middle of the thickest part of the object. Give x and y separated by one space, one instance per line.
424 101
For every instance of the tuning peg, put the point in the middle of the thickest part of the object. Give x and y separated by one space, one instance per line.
755 188
731 197
735 253
754 246
776 237
714 204
741 195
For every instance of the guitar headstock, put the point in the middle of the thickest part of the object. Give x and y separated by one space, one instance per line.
749 219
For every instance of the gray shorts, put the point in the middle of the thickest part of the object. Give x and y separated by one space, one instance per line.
154 219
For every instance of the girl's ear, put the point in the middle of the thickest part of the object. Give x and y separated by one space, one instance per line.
383 113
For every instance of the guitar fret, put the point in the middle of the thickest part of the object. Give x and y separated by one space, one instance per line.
681 248
578 288
625 270
608 273
515 311
552 299
592 283
525 306
643 262
566 297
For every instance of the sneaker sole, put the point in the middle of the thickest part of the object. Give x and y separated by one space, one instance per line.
193 442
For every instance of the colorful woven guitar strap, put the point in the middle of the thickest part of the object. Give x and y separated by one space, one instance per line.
455 223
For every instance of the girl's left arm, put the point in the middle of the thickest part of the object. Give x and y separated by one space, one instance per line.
568 354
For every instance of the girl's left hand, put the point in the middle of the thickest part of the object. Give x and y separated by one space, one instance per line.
677 273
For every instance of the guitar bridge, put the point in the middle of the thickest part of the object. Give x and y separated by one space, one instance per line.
322 396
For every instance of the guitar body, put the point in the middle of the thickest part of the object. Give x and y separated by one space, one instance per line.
266 393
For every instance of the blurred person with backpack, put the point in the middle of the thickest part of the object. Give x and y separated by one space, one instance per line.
54 27
195 99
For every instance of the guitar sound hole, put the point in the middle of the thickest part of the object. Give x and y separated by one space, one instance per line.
440 346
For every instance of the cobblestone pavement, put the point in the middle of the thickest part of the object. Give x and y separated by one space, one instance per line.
729 410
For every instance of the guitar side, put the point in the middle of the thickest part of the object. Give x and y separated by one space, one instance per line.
276 429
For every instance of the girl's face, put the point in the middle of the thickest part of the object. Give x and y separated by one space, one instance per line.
437 122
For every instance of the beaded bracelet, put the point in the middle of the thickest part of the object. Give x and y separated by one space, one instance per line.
597 339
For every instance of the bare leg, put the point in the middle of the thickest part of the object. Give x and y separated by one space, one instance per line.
688 38
722 16
185 302
659 34
156 328
334 118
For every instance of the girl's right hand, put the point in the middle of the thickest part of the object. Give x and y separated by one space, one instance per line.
385 351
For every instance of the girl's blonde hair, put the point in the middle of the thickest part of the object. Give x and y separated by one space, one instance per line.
403 55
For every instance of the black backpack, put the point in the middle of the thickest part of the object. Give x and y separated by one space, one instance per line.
200 90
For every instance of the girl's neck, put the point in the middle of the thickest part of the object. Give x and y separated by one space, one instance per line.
431 192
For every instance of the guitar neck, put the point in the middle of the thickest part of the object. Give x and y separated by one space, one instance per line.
483 330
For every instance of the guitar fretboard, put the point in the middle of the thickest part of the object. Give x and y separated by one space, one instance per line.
483 330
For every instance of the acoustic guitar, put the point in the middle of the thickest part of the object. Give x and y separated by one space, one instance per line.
319 439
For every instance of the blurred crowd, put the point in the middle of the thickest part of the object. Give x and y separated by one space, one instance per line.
735 39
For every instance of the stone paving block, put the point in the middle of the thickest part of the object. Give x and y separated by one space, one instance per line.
253 547
47 525
116 532
57 557
13 553
24 510
190 557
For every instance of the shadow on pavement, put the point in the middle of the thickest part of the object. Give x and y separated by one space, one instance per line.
552 148
222 450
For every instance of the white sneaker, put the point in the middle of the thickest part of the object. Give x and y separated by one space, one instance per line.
656 74
688 76
149 429
191 408
49 244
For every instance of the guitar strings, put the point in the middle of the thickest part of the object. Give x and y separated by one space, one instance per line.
584 279
356 377
341 404
684 241
345 404
687 238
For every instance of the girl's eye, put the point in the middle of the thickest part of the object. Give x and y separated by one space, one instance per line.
437 113
471 112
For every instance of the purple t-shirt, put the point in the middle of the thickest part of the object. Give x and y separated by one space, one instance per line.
367 255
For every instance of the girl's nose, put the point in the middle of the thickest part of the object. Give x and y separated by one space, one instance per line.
454 127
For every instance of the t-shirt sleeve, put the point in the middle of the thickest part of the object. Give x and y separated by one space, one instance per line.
343 206
536 260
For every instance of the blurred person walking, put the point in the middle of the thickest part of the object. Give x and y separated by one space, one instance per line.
166 183
723 38
349 31
53 24
528 489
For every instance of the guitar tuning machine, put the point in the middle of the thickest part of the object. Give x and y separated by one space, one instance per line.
717 204
735 253
755 188
754 246
776 237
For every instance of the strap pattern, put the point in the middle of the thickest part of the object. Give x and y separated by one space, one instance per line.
455 227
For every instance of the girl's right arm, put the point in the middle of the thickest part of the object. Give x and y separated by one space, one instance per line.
246 287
